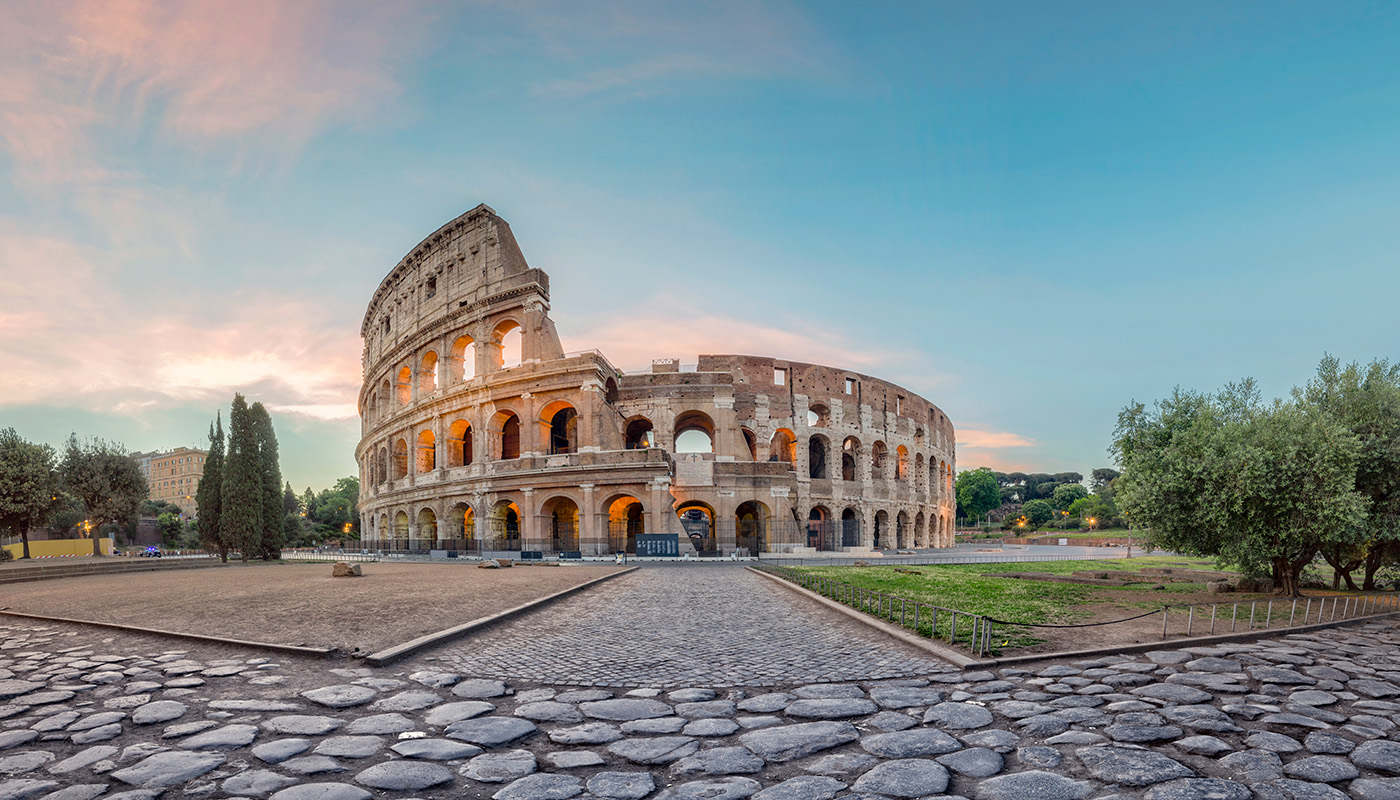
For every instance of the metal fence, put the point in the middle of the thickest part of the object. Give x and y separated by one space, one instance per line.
303 554
1274 614
972 631
939 557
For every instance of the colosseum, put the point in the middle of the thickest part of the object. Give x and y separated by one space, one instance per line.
481 435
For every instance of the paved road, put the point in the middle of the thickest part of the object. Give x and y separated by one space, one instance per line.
667 626
85 713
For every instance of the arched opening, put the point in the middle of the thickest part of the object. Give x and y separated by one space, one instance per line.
463 524
919 473
400 459
507 426
819 533
386 391
639 435
850 528
371 409
901 468
920 536
881 537
850 451
459 444
695 433
381 532
427 452
751 527
427 374
877 460
934 485
510 340
783 447
505 526
563 516
427 528
818 416
405 386
560 421
401 531
383 474
816 458
751 443
610 391
919 435
902 531
462 359
626 520
698 522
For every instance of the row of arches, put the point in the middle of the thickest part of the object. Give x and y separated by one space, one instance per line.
432 372
557 525
559 432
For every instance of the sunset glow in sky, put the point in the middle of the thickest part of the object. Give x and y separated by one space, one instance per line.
1031 214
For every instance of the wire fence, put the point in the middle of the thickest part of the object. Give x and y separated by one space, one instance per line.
1272 614
958 628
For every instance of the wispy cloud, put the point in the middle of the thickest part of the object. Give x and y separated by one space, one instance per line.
982 440
633 342
249 76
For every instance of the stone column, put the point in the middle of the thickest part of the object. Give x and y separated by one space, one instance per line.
530 522
588 516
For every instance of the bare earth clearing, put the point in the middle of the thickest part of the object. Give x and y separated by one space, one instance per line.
299 604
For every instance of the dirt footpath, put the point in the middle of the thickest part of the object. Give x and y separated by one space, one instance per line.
299 604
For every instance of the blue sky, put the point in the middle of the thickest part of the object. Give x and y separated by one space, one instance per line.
1031 214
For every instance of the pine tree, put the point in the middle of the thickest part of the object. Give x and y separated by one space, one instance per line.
290 503
242 496
208 497
270 545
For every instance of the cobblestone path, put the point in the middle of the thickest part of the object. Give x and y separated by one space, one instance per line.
686 626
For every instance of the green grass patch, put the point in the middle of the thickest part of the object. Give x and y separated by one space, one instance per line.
970 588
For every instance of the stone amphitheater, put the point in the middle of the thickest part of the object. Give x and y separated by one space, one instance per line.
480 434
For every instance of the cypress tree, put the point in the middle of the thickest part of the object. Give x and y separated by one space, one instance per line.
208 497
290 503
241 517
270 546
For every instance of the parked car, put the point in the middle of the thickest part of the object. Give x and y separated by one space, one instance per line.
151 552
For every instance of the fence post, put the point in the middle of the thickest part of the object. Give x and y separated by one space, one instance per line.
1165 609
953 630
1292 611
916 620
1307 610
1212 618
1252 604
1234 615
1269 614
1334 609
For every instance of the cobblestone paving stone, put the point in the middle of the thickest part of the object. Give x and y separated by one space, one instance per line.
254 726
678 626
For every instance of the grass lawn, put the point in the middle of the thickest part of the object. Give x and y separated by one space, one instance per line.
970 588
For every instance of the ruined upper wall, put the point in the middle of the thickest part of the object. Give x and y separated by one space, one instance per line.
470 259
755 374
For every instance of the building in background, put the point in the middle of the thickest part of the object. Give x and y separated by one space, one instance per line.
174 476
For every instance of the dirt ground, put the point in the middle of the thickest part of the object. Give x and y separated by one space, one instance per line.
298 604
1106 605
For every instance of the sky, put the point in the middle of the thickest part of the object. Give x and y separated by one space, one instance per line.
1031 214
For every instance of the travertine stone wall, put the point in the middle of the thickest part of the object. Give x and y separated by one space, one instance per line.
460 443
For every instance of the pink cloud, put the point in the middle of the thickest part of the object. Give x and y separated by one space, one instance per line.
82 348
971 437
631 343
230 73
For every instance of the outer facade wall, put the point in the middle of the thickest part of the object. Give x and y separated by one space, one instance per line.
451 423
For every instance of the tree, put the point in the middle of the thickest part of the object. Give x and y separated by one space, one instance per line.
170 529
1366 402
977 492
209 495
28 484
1066 493
1100 479
290 503
1037 512
242 488
270 543
1263 488
104 479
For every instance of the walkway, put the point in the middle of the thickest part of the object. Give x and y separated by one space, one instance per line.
708 625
